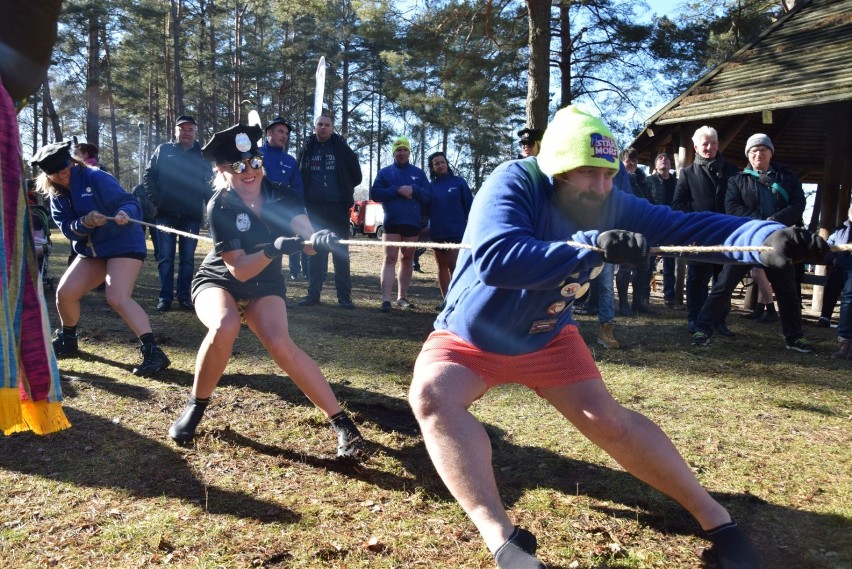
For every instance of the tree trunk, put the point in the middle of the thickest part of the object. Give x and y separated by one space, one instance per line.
177 15
50 112
538 75
116 167
565 52
93 82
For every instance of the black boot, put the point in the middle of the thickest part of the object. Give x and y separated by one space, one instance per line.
756 312
153 361
350 443
65 345
183 430
733 548
518 552
769 316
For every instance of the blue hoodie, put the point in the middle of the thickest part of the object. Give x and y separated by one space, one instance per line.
450 206
513 290
95 190
400 210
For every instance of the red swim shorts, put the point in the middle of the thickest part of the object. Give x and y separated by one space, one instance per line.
563 361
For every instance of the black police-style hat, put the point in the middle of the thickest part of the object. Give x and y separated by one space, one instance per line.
184 119
53 157
279 120
531 135
233 144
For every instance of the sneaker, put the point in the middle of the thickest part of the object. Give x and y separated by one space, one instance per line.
164 306
65 345
700 339
346 302
823 322
845 351
386 306
153 361
404 304
309 301
800 345
606 338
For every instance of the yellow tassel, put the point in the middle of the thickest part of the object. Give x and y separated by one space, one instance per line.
10 410
43 417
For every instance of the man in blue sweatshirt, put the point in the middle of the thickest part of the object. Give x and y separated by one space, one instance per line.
508 319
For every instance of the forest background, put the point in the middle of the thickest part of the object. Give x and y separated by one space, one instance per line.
460 76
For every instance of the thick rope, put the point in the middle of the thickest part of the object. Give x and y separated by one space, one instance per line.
669 250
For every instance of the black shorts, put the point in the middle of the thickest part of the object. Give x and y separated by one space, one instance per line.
447 239
402 230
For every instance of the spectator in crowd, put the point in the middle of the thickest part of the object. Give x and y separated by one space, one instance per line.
178 182
448 211
282 168
87 153
108 250
764 190
662 186
640 276
843 265
509 320
764 310
530 141
149 214
253 224
404 192
330 171
835 277
702 187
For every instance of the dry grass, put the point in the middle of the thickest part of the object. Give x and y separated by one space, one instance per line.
765 429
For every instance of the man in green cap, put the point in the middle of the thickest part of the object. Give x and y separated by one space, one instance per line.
508 319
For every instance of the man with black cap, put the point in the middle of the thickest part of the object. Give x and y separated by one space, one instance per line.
178 182
282 168
763 190
530 141
330 172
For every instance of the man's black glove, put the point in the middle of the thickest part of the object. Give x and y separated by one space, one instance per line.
324 240
794 245
283 246
623 247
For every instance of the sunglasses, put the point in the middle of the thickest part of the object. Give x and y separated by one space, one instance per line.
240 166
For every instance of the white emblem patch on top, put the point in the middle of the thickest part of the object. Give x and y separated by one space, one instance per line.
243 222
243 142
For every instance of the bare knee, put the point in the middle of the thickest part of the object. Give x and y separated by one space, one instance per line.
604 423
424 398
225 331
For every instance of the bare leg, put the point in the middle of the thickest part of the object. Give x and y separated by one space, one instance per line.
764 288
267 318
391 254
637 444
121 276
405 270
458 445
218 311
446 259
81 276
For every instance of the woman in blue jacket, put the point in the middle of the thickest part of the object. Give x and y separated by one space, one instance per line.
404 192
448 211
94 212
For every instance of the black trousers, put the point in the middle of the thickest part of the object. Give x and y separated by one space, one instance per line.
783 281
333 216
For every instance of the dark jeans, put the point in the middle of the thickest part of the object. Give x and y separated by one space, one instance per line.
167 243
831 292
669 278
844 326
640 276
783 281
698 277
298 264
333 216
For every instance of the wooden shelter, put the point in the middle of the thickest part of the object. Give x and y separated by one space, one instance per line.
793 83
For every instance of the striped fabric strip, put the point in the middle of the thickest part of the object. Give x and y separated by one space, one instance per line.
30 392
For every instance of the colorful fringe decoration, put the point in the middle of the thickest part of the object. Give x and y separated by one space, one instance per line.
30 393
